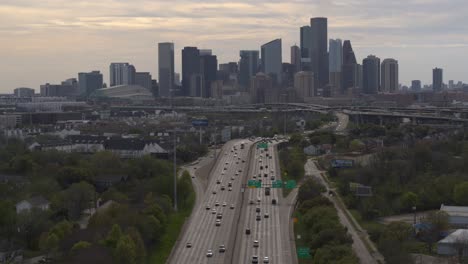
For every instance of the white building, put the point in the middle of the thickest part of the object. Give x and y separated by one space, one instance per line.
454 244
458 215
38 202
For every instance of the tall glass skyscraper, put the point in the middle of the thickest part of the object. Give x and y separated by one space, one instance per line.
319 50
389 80
371 75
348 68
437 79
272 60
248 67
190 66
166 68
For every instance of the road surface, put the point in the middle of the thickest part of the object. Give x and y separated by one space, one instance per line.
201 231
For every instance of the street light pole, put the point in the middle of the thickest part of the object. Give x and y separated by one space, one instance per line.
175 171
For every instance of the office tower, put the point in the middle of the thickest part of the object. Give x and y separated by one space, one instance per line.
437 79
306 43
88 82
358 77
348 69
261 88
371 75
155 88
143 79
287 75
166 68
272 60
208 71
121 74
451 84
319 51
336 55
196 85
68 87
230 67
304 85
190 66
23 92
416 85
248 67
296 58
389 71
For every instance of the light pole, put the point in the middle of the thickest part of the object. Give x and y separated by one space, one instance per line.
414 210
175 171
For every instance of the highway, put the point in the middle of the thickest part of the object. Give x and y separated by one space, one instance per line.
265 230
201 231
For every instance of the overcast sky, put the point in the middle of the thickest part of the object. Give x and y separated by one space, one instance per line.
52 40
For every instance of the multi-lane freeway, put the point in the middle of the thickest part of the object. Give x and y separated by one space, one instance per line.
232 223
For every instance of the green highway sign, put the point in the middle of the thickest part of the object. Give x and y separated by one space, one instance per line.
303 253
262 145
277 184
254 184
291 184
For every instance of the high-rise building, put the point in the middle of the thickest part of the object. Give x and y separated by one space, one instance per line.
121 73
335 55
296 58
66 88
306 43
208 70
190 66
437 79
348 69
304 85
272 60
287 75
88 82
143 79
248 67
261 88
166 68
416 85
23 92
371 75
389 71
319 51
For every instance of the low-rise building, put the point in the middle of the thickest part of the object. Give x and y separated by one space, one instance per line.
458 215
455 244
38 202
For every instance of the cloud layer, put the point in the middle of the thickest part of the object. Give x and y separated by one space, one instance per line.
50 40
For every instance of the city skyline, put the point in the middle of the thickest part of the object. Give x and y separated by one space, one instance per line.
36 51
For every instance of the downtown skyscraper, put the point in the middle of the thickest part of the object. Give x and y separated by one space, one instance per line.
349 68
389 72
121 73
272 60
166 68
371 75
190 71
248 67
319 50
437 79
296 58
335 58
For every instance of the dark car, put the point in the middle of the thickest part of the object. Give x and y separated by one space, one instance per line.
247 231
273 201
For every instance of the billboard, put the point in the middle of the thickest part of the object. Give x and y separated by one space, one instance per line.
342 163
200 122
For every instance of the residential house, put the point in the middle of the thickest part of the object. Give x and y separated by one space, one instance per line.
103 182
455 244
458 215
38 202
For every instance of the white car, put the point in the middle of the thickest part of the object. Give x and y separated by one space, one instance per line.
224 204
209 253
266 260
213 211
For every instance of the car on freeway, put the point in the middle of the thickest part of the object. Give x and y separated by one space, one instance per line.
213 211
207 207
266 260
222 248
251 202
209 253
273 201
272 178
218 181
254 259
258 218
214 192
188 245
266 215
232 178
266 166
219 216
232 206
230 189
217 203
247 231
224 204
259 200
229 184
255 243
223 188
193 176
243 161
265 175
218 222
257 209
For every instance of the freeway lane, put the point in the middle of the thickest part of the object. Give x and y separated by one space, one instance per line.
201 231
267 231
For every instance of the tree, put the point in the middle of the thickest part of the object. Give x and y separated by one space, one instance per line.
125 251
80 245
460 194
78 197
408 200
399 231
437 222
30 225
140 249
310 190
113 237
7 219
49 242
335 254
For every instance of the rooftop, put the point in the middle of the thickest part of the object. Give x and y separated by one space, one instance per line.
460 235
455 210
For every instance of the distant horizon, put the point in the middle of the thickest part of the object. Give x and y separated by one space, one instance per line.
82 36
